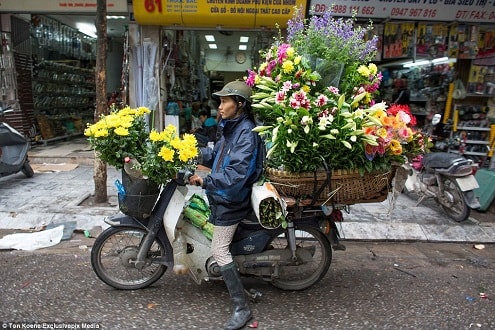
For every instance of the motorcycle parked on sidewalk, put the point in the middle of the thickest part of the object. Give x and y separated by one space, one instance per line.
13 150
134 253
448 178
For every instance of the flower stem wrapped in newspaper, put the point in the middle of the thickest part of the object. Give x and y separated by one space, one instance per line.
269 207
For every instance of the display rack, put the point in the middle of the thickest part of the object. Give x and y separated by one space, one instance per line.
64 97
472 131
63 79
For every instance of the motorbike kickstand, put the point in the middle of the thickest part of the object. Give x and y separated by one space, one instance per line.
252 294
420 200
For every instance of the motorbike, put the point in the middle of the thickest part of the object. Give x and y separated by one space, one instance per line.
13 150
134 253
446 177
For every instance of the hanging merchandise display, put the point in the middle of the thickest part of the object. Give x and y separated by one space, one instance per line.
150 93
398 40
66 41
431 40
464 39
459 90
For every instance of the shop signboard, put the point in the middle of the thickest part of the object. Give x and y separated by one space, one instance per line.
60 6
216 13
461 11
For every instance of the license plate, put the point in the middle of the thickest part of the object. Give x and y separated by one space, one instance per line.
467 183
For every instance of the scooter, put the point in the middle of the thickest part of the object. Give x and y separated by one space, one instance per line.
13 150
134 253
448 178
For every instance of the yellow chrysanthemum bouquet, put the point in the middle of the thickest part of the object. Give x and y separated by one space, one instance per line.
120 134
124 134
166 153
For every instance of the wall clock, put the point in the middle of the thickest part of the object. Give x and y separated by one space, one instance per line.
240 57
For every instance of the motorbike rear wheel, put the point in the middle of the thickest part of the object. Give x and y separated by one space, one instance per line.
304 275
114 253
453 202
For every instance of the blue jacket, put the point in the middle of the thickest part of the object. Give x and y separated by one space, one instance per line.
236 164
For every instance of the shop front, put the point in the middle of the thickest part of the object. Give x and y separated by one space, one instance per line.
436 57
196 48
48 66
439 58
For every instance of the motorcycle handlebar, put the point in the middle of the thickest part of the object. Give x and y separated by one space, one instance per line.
5 110
183 176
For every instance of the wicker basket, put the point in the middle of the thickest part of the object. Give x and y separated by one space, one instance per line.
346 186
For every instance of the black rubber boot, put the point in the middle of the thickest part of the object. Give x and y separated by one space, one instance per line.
242 313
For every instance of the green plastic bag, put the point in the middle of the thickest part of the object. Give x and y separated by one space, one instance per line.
197 212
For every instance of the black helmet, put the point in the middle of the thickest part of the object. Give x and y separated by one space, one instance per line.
236 87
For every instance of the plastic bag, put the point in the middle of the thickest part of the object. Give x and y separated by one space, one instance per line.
459 90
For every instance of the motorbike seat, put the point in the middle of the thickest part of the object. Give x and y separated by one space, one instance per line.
442 160
250 237
246 227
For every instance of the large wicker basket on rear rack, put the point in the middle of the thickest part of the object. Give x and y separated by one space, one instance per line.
336 186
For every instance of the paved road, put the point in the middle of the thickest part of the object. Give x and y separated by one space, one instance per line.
371 285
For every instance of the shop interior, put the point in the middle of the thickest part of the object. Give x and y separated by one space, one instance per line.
435 68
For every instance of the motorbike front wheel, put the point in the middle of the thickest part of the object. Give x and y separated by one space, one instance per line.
303 273
453 202
27 170
114 254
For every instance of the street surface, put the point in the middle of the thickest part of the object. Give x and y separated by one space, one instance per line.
371 285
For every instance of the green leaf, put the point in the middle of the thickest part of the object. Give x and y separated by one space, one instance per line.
257 96
328 136
261 128
341 101
266 88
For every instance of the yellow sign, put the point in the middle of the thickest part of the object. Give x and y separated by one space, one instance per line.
214 13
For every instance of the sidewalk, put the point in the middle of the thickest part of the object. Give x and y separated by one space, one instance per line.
58 194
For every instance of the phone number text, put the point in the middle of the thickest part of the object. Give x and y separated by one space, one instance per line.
405 12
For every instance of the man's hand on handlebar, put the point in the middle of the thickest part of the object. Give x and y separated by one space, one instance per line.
196 180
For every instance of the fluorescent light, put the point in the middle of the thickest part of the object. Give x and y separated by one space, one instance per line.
242 47
436 61
418 63
243 39
116 17
86 28
210 38
440 60
212 46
